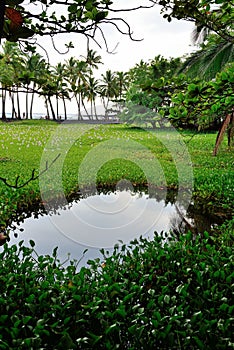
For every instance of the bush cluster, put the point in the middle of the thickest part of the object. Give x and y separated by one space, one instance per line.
160 294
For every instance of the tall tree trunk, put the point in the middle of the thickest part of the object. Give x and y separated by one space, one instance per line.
18 103
32 100
91 108
13 110
95 109
78 107
47 108
3 103
79 98
51 108
83 104
221 133
57 106
65 109
26 103
106 107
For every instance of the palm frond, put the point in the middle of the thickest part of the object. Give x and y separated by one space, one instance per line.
207 62
215 59
199 34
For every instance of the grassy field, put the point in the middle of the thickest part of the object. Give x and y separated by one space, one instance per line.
104 155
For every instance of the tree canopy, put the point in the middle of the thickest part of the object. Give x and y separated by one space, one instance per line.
22 19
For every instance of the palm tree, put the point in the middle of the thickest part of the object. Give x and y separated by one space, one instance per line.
10 67
108 89
93 59
18 67
92 92
6 79
49 89
76 75
28 76
62 88
122 83
38 65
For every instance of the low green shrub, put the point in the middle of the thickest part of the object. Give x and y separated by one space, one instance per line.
160 294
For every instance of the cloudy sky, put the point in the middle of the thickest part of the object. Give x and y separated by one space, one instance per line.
158 37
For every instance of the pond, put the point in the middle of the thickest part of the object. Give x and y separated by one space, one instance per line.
102 220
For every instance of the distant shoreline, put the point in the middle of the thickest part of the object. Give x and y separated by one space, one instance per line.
65 121
101 119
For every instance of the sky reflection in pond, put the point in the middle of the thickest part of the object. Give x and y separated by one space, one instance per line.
95 222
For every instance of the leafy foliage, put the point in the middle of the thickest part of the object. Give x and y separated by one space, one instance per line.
151 85
147 295
204 103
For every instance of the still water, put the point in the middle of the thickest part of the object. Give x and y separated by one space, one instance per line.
101 221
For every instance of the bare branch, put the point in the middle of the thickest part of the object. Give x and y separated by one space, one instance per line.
55 48
32 178
128 32
106 44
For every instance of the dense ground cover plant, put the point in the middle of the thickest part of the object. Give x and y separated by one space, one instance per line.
173 294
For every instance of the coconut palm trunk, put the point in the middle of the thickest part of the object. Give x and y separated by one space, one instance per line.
51 108
32 101
64 108
18 103
4 103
